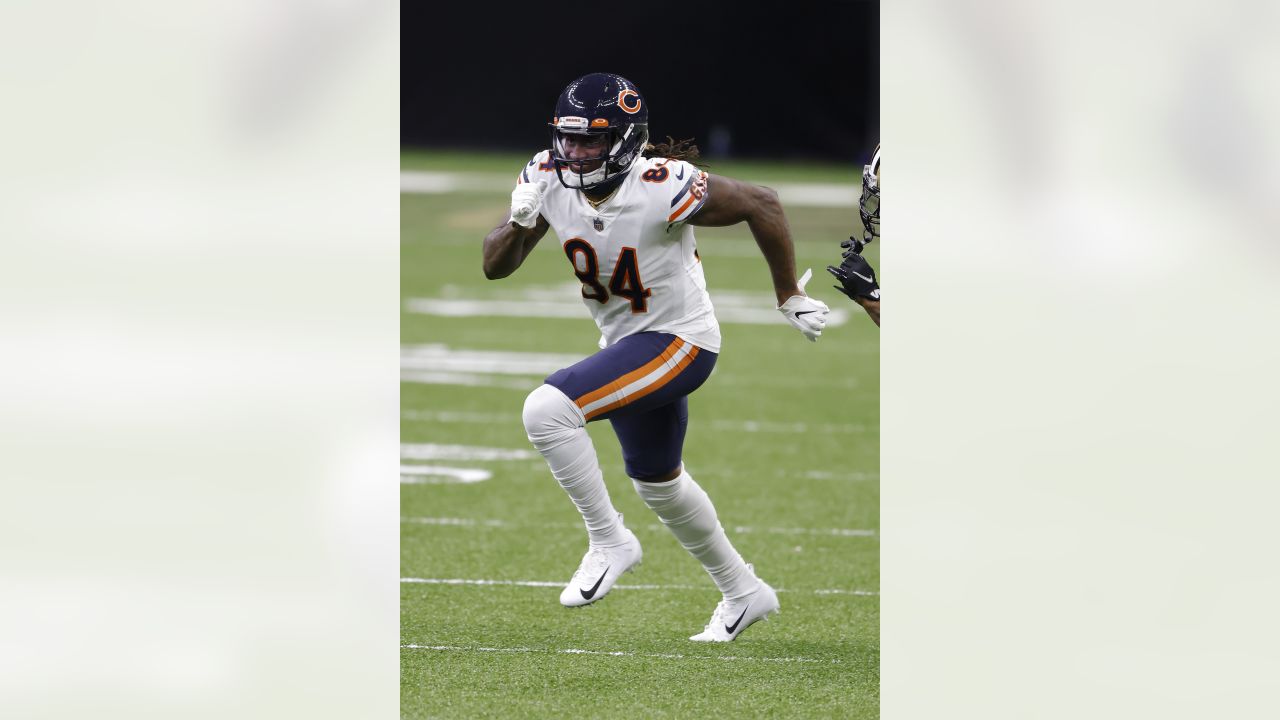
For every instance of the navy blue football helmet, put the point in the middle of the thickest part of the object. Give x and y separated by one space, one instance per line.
599 117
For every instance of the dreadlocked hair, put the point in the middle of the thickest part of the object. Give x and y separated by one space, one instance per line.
674 149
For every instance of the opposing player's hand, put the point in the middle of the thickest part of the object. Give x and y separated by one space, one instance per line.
526 201
854 246
807 314
857 278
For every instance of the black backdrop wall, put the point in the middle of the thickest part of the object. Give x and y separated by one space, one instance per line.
798 79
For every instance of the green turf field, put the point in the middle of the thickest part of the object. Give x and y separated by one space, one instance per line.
784 438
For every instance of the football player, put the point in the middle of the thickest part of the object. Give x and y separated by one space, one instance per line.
624 213
857 278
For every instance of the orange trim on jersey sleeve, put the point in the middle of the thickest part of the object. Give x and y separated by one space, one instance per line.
687 203
632 376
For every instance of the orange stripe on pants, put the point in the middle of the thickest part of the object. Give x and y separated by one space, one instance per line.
655 386
625 380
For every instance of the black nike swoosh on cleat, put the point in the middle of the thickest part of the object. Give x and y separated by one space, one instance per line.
730 628
588 594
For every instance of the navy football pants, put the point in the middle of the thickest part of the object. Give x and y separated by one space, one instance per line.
641 385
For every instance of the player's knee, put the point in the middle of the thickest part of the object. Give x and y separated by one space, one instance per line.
548 411
647 473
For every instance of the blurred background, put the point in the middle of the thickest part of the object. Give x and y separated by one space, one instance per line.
201 237
754 83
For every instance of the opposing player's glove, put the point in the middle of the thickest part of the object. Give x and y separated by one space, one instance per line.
856 277
807 314
526 201
854 246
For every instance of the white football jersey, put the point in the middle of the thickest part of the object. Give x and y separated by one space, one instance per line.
635 254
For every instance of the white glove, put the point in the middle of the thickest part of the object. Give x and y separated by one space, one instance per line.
808 315
526 201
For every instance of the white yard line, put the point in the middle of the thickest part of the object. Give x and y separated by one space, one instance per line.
450 416
435 451
470 380
747 426
438 307
442 358
735 308
774 428
441 475
424 182
427 182
533 583
739 529
828 475
554 584
616 653
444 474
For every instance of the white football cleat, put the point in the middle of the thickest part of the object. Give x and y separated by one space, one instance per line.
600 569
731 617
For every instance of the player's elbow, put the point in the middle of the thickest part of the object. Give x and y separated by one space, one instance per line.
490 266
766 201
493 272
495 263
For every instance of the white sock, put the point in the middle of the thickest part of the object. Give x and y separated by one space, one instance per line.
556 427
686 510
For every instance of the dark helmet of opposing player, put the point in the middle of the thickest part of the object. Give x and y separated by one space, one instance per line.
869 204
599 110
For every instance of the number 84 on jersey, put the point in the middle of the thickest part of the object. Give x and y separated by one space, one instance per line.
625 281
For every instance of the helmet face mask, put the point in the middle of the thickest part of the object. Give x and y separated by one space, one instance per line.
580 158
869 204
601 123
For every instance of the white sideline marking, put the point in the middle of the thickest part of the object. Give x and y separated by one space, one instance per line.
764 426
816 194
426 182
828 475
438 474
838 532
559 302
726 313
460 581
469 380
434 451
799 381
442 365
615 653
748 426
462 417
445 359
454 521
553 584
534 583
741 529
496 308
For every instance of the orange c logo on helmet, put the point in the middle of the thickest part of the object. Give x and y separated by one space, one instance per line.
622 101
